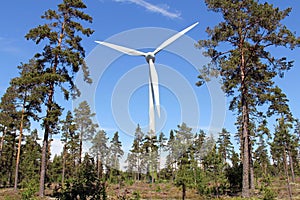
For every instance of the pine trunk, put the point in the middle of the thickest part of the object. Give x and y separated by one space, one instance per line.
158 166
99 167
11 168
217 187
19 150
2 141
139 167
46 143
245 132
246 166
80 146
252 183
183 191
287 174
47 122
63 167
292 166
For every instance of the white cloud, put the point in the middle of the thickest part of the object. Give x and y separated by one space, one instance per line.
161 9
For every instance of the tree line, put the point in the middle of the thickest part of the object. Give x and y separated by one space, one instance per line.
200 161
239 49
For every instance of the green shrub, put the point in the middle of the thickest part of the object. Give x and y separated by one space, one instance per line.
268 194
29 191
136 195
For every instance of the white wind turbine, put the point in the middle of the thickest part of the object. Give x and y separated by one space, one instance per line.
153 79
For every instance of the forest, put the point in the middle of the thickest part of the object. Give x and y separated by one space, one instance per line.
178 164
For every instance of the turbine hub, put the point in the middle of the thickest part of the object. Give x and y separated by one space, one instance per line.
150 55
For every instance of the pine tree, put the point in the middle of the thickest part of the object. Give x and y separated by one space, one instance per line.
131 167
8 115
150 155
244 63
84 124
29 97
62 56
134 159
184 157
198 146
261 153
281 148
100 150
85 185
170 159
225 146
69 139
8 158
214 165
280 107
183 139
30 160
55 169
234 173
161 147
10 118
115 153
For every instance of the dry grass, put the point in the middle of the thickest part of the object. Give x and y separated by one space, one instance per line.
165 191
9 194
280 188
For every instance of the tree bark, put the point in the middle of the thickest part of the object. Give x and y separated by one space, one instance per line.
252 183
2 141
287 175
246 186
80 145
183 191
99 167
10 173
139 165
291 166
45 143
63 167
245 120
19 150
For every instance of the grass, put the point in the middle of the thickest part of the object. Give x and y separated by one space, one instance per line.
166 191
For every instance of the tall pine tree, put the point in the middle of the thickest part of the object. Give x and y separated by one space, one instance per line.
115 153
29 96
70 140
184 157
84 123
62 56
244 63
100 150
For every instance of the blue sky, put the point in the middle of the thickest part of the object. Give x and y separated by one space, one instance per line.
119 21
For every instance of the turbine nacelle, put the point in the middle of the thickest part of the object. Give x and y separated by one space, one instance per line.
150 55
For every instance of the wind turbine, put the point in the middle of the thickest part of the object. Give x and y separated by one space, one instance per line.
153 78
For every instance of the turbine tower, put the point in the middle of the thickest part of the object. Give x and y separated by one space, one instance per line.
154 103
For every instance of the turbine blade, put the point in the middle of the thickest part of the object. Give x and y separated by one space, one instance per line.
125 50
154 84
173 38
151 109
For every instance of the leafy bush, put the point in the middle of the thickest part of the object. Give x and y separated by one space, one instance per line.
85 185
136 195
268 194
29 191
